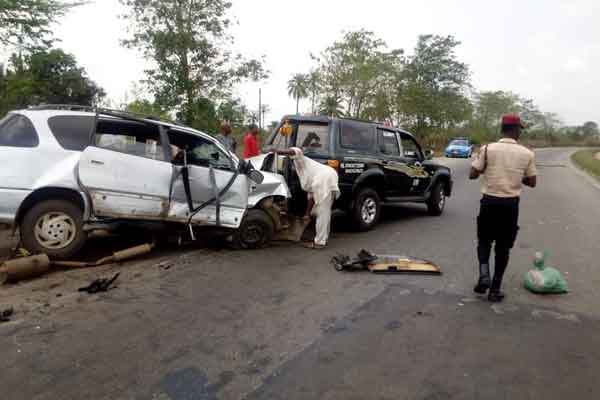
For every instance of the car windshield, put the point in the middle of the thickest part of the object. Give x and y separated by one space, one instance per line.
459 143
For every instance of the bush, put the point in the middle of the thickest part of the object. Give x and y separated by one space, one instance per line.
585 160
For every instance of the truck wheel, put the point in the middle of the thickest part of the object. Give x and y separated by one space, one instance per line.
55 228
367 209
255 231
437 200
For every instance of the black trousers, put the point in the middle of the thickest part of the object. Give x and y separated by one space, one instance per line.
498 222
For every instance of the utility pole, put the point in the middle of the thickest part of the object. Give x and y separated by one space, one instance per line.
259 109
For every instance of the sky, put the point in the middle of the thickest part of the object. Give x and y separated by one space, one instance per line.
546 50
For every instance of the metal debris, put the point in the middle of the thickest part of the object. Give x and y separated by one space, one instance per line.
384 264
6 314
99 285
24 268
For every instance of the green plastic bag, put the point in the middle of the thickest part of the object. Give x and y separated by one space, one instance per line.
544 279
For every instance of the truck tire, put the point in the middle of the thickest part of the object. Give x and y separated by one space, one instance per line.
437 200
55 228
255 231
366 210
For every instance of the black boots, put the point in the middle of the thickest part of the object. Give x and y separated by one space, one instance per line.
484 279
495 295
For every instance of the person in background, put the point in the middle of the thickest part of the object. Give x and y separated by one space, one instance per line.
505 166
251 148
226 138
320 182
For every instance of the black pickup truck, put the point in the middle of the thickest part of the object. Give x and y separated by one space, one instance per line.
376 165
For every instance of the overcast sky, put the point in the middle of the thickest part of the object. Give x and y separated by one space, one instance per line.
547 50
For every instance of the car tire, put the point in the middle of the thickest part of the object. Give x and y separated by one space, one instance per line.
55 228
255 231
437 200
366 210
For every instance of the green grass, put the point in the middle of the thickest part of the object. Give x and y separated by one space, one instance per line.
586 161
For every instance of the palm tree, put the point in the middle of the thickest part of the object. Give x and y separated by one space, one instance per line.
313 81
298 89
331 107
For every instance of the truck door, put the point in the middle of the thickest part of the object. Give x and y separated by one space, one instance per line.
398 183
203 155
413 157
125 171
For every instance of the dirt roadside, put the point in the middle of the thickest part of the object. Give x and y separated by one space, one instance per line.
57 291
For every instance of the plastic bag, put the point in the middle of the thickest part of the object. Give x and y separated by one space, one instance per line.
544 279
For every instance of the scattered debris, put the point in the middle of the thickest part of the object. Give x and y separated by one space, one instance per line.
27 267
99 285
24 268
384 264
6 314
116 257
165 265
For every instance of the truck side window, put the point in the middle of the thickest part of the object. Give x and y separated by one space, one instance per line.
313 138
17 131
357 135
410 148
388 143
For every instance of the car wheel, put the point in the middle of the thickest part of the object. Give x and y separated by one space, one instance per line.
437 200
367 209
255 231
55 228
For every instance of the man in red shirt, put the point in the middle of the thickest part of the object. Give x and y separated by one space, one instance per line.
251 148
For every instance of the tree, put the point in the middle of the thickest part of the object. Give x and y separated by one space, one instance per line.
357 71
298 89
590 129
433 85
188 43
47 77
147 108
489 106
331 107
313 81
27 23
233 112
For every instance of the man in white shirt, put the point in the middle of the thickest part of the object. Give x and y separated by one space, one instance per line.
504 167
320 182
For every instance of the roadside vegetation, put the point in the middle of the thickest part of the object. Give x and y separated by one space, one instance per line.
193 73
588 160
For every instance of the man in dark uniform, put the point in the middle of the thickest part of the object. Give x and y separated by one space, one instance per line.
504 167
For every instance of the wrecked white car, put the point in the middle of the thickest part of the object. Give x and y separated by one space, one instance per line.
69 170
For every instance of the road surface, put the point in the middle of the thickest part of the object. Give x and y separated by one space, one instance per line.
280 323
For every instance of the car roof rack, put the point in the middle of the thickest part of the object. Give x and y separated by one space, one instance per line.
105 111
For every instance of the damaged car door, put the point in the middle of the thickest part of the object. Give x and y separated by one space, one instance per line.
217 192
126 171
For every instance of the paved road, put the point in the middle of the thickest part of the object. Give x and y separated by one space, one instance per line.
280 323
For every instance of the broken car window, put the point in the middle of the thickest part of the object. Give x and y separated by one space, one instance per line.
200 151
129 137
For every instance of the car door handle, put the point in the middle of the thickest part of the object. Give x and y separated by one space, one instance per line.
96 162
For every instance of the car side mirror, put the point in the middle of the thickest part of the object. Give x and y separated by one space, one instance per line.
429 154
256 176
